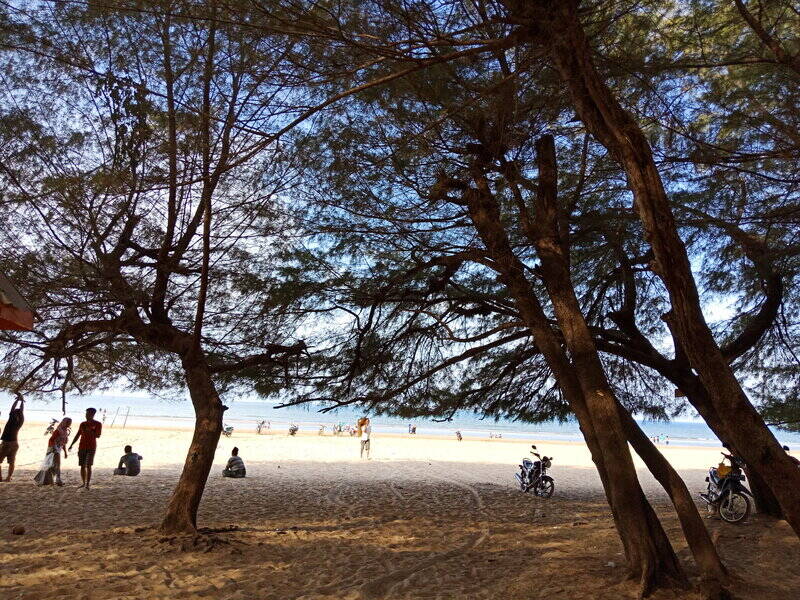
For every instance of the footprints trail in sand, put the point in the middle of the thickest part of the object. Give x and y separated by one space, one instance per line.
392 582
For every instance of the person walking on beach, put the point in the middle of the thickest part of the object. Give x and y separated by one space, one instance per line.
129 463
364 433
50 472
88 432
8 440
235 467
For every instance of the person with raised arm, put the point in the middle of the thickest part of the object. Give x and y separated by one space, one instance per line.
8 440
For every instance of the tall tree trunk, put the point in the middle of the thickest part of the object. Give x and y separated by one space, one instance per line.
604 117
649 554
181 514
548 233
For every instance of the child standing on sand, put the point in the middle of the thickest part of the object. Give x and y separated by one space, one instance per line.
88 432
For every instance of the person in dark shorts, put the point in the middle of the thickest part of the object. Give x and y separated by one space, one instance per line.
8 440
129 464
88 432
235 467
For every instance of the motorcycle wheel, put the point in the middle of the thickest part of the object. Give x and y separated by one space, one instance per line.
544 487
733 507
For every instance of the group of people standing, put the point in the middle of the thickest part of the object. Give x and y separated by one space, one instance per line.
88 433
86 437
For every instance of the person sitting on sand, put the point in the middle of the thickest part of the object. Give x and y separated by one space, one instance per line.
8 440
129 463
235 467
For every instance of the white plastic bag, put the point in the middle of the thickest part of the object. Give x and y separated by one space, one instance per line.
49 460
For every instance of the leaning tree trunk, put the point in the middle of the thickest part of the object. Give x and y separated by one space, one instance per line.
694 530
547 231
621 135
181 514
680 374
649 555
766 502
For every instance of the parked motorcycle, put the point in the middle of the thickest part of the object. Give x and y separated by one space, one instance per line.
293 429
532 476
52 427
227 430
726 494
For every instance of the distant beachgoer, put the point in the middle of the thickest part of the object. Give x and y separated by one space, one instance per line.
667 441
364 433
88 432
409 428
129 463
458 435
795 460
413 430
8 440
235 467
104 416
50 471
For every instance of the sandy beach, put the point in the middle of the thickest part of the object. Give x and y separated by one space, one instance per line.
423 518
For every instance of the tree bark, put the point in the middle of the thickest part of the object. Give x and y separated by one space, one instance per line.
649 554
619 133
181 514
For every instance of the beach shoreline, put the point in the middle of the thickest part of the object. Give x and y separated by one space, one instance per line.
567 452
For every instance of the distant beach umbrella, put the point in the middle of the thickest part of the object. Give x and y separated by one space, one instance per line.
15 313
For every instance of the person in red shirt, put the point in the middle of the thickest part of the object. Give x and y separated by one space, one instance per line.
88 432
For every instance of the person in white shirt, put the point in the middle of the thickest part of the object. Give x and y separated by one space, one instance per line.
364 432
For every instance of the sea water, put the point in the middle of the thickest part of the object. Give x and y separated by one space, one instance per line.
244 414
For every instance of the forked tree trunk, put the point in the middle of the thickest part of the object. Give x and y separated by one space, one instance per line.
547 231
649 554
181 514
621 135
